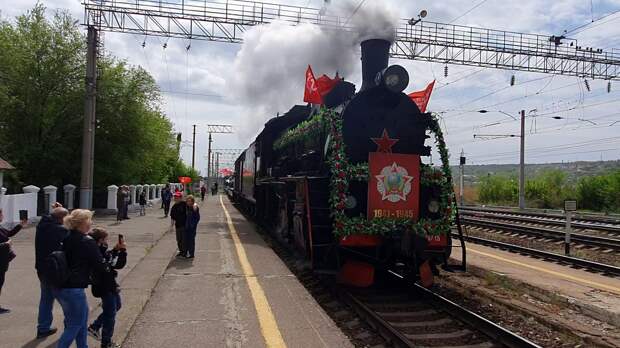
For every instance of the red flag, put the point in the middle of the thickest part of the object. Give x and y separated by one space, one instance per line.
325 84
422 97
226 172
311 91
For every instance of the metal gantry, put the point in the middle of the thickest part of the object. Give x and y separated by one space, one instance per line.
226 21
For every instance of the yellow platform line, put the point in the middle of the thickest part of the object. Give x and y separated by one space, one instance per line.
268 325
557 274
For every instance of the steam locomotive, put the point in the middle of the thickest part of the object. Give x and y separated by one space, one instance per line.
345 183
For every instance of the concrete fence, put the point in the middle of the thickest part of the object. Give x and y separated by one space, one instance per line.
29 200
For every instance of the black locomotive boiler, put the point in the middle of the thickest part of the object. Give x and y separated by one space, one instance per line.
308 178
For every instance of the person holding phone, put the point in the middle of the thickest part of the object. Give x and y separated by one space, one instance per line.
6 251
104 286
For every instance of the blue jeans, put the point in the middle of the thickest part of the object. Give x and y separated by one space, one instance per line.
75 309
110 303
46 305
190 240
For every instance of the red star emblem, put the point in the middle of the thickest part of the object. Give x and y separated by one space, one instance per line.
384 143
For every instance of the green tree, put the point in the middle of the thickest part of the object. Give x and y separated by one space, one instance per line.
549 189
600 193
41 96
42 68
499 189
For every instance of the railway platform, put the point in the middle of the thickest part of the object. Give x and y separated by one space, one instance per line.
235 293
594 293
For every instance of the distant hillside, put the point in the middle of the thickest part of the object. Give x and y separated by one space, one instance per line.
574 170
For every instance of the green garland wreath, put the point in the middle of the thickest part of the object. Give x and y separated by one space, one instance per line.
306 130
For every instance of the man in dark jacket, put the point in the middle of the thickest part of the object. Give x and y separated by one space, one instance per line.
104 285
6 252
178 214
48 238
166 198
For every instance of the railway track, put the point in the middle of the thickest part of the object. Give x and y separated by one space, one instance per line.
606 224
541 232
413 316
562 259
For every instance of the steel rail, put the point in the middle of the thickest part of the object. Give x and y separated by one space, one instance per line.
540 220
601 267
554 214
387 331
610 243
493 331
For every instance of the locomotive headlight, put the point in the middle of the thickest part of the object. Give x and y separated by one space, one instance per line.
433 207
350 202
395 78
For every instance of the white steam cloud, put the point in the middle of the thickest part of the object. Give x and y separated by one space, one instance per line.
269 70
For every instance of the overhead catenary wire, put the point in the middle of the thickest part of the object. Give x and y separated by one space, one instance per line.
588 26
468 11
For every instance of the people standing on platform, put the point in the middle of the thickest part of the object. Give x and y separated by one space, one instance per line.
142 202
104 286
48 238
193 217
166 197
203 192
178 215
120 203
83 258
126 199
6 252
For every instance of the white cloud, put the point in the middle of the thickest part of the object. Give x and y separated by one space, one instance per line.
210 69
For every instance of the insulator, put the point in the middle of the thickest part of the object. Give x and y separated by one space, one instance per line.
587 85
608 86
512 80
445 71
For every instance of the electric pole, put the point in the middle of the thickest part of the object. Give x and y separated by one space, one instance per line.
209 159
88 140
214 128
522 164
217 167
462 180
194 148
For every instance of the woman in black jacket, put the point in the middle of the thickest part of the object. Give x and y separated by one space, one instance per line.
104 285
83 258
6 252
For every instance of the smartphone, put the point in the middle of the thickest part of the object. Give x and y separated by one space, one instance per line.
120 238
23 215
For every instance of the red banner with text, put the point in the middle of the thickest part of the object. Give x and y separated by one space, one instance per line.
394 185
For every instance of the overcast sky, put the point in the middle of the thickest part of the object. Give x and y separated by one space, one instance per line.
223 83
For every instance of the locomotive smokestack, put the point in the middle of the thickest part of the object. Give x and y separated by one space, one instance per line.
375 56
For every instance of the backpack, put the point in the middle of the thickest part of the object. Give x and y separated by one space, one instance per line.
97 282
56 269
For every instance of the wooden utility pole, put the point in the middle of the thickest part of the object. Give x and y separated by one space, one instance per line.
194 149
522 164
462 178
88 134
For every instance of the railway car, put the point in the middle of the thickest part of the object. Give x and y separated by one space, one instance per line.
349 183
